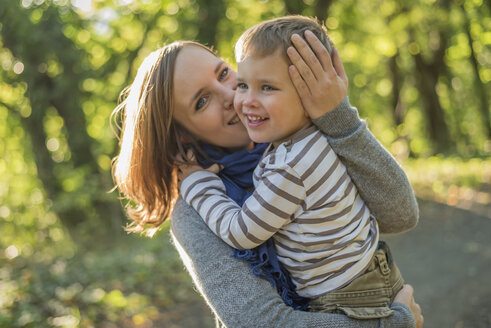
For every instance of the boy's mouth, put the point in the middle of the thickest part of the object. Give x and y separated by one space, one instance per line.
255 118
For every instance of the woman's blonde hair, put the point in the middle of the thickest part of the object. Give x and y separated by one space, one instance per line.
145 170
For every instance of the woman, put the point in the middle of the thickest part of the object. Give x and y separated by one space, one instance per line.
183 95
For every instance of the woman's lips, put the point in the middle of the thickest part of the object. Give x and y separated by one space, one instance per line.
234 120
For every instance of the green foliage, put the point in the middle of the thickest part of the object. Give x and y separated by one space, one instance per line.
140 283
451 180
64 63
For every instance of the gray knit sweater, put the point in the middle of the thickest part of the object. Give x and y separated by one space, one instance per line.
240 299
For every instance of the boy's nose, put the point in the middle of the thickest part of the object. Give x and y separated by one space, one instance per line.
250 99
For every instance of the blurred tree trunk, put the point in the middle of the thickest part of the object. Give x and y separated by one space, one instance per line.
27 42
479 85
428 71
294 7
397 78
210 14
428 74
398 107
321 10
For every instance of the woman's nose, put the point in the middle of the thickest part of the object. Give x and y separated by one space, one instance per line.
228 98
229 103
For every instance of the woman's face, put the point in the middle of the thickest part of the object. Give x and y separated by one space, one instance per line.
204 89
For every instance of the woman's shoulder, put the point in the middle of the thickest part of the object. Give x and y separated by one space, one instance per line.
183 217
181 209
191 232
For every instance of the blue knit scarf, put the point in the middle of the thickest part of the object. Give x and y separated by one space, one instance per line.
236 175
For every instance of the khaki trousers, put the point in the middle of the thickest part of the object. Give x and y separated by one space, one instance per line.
368 296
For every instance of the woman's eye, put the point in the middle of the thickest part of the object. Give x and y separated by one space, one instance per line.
241 85
223 73
201 103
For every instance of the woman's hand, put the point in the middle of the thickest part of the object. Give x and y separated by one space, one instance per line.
189 165
406 297
320 82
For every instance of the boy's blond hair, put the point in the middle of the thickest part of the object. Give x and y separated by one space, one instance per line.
265 38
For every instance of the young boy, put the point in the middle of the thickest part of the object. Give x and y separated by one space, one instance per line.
323 232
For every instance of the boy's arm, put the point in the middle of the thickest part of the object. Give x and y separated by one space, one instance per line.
269 208
240 299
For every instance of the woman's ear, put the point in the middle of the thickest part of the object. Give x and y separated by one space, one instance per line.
184 138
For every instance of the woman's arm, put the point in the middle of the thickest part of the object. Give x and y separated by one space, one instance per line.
240 299
381 182
323 86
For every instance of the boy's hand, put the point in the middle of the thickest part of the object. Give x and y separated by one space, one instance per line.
189 165
321 82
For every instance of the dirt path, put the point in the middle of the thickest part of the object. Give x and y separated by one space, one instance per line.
447 258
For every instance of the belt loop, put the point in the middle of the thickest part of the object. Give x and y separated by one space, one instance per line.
382 261
383 246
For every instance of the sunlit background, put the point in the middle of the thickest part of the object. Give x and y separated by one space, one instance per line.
419 73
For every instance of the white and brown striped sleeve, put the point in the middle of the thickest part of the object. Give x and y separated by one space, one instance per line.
273 204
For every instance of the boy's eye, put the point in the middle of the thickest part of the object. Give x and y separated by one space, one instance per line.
201 103
241 85
268 88
223 73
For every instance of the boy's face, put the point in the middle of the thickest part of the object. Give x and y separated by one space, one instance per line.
266 99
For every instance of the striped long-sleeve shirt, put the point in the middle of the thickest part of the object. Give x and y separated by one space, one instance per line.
323 231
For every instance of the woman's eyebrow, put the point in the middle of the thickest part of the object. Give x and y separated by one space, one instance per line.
196 95
217 68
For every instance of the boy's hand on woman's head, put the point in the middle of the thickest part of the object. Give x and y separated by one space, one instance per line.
321 82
